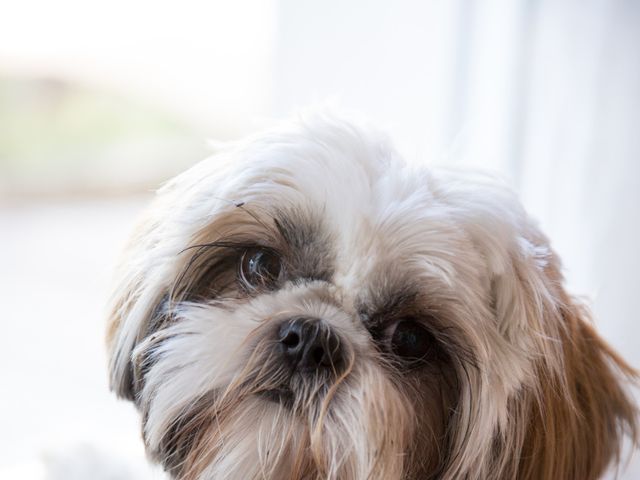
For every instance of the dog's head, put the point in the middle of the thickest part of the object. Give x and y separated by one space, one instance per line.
307 305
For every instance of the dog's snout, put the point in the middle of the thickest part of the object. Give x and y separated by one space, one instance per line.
309 344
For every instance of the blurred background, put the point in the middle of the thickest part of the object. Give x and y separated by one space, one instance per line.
102 101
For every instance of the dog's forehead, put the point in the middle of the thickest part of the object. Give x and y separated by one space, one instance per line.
357 205
348 206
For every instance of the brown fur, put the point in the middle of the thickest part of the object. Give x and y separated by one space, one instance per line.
576 422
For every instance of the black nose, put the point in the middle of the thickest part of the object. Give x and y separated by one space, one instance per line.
309 344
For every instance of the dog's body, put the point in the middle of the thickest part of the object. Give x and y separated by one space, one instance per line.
306 305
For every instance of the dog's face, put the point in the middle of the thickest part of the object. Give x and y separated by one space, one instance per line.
306 305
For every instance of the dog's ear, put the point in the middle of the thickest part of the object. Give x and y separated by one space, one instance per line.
570 417
568 405
580 412
156 254
135 304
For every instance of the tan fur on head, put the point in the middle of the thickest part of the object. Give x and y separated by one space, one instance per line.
305 305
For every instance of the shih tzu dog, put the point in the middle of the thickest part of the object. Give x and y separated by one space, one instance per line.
305 305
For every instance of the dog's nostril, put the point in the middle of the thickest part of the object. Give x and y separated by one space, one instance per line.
317 354
291 339
309 344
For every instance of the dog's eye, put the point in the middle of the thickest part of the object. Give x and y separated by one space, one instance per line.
412 342
259 268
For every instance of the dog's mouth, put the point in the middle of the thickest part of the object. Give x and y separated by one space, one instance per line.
292 393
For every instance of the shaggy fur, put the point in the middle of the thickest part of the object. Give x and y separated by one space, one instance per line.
516 383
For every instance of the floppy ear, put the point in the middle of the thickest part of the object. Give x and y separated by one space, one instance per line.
150 262
135 305
578 415
568 407
570 420
153 260
147 271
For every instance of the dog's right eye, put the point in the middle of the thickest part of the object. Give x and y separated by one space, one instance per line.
259 268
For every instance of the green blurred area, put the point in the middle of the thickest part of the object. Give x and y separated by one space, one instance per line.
61 138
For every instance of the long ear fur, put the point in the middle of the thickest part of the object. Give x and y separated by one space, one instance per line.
569 408
152 259
134 301
570 421
578 419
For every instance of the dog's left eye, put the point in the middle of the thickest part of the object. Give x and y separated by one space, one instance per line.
259 268
412 342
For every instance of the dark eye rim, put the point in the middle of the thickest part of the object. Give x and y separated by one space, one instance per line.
264 282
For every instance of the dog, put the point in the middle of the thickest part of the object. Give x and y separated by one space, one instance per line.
306 305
